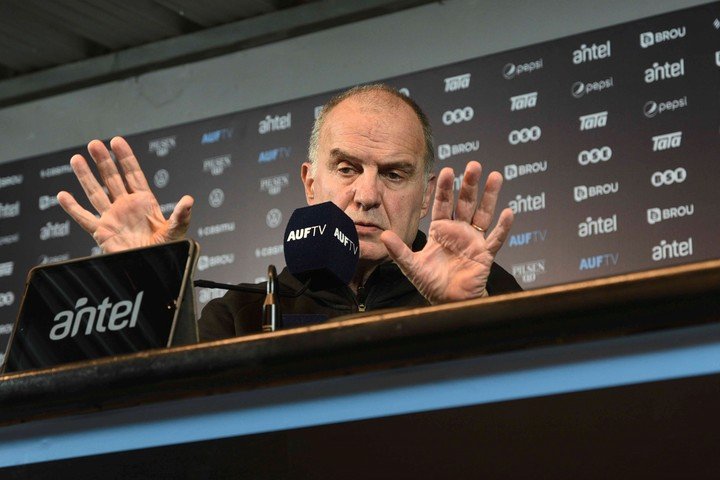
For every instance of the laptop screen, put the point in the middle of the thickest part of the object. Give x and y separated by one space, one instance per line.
99 306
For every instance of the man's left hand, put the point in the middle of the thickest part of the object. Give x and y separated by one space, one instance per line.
461 247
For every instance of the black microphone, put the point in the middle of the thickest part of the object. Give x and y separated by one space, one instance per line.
321 245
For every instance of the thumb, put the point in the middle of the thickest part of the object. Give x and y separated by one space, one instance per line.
398 251
180 218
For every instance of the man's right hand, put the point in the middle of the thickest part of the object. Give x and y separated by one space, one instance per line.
130 216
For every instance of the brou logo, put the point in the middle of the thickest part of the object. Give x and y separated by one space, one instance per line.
513 171
591 53
667 141
446 151
657 215
593 120
272 124
524 135
458 115
648 39
663 72
121 315
458 82
583 192
666 250
597 226
521 102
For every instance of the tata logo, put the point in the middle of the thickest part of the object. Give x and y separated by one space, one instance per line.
459 82
216 136
665 71
511 70
591 53
668 250
593 120
275 123
524 135
668 177
161 146
666 141
523 101
648 39
595 155
101 318
458 115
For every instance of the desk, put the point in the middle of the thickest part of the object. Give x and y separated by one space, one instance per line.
608 378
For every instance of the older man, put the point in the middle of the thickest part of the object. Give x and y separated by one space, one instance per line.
371 154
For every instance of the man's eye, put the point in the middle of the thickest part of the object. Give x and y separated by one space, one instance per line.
394 176
346 170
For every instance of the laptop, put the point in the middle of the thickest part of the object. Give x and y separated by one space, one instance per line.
106 305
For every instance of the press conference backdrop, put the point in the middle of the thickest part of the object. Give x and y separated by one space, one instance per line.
608 142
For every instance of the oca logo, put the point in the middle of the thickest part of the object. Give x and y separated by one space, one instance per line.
595 155
668 177
458 115
524 135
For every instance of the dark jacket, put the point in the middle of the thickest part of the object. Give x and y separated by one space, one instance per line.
240 313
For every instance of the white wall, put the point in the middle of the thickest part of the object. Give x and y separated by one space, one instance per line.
382 47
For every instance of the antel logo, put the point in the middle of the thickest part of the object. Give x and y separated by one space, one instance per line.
653 108
668 177
591 53
458 82
593 120
580 89
665 71
162 146
55 230
121 315
525 135
523 101
666 250
275 123
511 70
458 115
648 39
529 203
597 226
595 155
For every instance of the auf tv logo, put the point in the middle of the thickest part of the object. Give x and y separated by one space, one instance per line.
101 318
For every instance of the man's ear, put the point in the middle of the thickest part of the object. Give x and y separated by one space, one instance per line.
308 181
427 196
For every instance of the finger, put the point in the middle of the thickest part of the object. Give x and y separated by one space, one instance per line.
486 211
180 218
499 234
134 177
443 204
107 168
399 252
93 190
467 197
85 219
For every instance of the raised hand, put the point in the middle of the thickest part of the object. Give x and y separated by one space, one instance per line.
455 263
129 214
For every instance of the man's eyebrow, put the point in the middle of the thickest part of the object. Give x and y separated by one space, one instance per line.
339 154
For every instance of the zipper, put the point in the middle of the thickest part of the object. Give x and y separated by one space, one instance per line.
360 299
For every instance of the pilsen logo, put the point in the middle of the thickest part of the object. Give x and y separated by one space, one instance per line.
274 185
121 315
529 271
216 166
162 146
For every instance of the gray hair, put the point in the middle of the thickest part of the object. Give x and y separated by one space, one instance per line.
364 90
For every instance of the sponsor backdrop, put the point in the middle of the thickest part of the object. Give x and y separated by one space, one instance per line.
608 142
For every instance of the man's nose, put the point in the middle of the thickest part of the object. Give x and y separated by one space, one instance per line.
367 190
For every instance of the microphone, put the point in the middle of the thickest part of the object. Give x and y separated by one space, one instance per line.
272 317
321 245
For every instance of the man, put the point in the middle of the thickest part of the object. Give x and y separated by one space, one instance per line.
371 154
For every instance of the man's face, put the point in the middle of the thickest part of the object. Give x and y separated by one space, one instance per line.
370 164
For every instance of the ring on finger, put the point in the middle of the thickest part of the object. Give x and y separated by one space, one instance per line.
479 229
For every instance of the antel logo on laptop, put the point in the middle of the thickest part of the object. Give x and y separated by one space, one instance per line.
101 318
